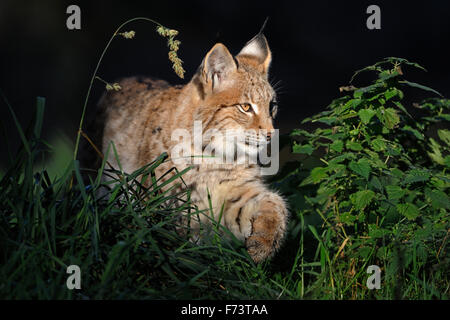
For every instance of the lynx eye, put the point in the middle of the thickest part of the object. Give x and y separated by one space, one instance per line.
273 108
246 107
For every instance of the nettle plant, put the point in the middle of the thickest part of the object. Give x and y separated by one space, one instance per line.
381 186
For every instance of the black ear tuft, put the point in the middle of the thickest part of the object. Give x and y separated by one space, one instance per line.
258 48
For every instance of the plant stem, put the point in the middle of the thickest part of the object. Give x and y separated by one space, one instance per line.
95 74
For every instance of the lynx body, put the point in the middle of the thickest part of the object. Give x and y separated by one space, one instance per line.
226 93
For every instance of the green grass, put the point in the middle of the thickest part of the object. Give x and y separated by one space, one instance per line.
127 246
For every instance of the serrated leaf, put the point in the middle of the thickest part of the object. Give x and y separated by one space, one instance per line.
337 146
409 210
365 115
359 92
447 161
395 192
438 198
413 131
395 60
352 103
327 120
401 107
353 145
416 175
376 183
342 157
419 86
316 175
390 118
385 75
337 168
444 135
394 149
362 167
362 199
303 149
375 231
347 218
435 153
388 94
364 252
397 173
378 144
336 136
300 132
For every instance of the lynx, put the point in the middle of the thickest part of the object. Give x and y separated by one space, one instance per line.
227 92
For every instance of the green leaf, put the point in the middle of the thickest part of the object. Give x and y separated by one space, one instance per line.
376 183
435 153
362 167
364 252
385 75
362 199
394 149
388 94
395 60
415 132
342 157
337 146
416 175
353 145
304 149
390 118
347 218
395 192
375 231
371 68
375 160
366 115
409 210
401 107
447 161
327 120
419 86
336 167
378 144
351 104
438 198
358 93
444 135
318 174
300 132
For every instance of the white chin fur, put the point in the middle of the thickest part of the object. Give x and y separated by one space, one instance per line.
232 152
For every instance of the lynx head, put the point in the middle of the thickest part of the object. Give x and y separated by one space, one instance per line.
235 93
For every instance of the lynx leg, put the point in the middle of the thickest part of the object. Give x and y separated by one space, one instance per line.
260 221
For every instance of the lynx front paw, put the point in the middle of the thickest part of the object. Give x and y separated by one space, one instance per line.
259 248
268 230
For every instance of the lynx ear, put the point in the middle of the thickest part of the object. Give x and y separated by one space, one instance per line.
217 66
258 49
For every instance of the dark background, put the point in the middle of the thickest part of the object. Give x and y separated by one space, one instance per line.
316 45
